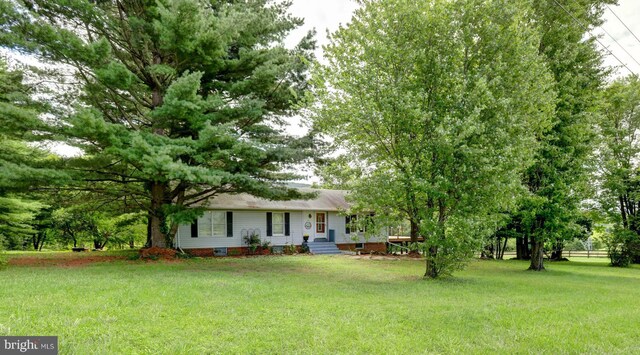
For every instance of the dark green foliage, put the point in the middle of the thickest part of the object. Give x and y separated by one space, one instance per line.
172 101
559 180
623 247
253 242
619 174
21 166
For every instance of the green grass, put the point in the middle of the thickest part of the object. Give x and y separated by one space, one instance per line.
304 304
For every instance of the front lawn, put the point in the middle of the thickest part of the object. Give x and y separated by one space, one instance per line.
314 304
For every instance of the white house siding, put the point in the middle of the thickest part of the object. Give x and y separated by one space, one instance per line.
247 221
243 222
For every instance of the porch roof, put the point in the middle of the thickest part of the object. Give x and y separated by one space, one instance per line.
326 200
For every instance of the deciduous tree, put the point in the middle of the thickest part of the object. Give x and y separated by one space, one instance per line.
439 106
619 169
559 180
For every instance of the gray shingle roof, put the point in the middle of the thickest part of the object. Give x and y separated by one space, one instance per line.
326 200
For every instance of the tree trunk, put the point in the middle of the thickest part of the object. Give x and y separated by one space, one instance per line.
158 237
432 271
415 231
433 266
488 252
157 229
537 256
522 248
34 242
504 246
147 244
44 237
623 212
37 240
556 253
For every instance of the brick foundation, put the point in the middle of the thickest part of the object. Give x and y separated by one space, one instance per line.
200 252
239 251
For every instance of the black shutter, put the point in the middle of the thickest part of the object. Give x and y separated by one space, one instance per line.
269 224
229 224
347 223
194 229
287 229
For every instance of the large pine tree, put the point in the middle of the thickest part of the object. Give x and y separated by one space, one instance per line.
21 166
171 101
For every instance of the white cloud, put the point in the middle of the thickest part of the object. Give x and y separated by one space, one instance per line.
321 15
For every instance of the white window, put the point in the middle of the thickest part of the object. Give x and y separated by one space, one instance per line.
278 223
212 224
321 223
219 223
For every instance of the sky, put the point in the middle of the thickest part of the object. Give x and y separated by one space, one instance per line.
329 14
629 12
326 15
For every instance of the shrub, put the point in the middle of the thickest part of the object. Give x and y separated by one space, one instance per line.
290 249
266 246
622 246
253 242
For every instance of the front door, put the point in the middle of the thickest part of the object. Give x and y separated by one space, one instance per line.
321 225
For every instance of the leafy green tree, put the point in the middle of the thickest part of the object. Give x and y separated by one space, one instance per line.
73 224
438 106
171 101
619 170
558 181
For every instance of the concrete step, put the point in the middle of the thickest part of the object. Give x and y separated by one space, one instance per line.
324 248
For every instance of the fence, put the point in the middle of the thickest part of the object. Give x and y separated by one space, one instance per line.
571 253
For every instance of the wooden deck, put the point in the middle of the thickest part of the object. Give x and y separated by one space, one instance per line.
397 239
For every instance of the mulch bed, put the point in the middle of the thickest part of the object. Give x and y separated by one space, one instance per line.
63 260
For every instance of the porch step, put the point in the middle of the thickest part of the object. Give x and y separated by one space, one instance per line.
323 248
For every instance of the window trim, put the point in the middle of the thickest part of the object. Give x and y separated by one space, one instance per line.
224 224
273 224
286 223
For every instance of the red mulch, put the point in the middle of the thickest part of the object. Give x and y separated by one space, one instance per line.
69 260
157 253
